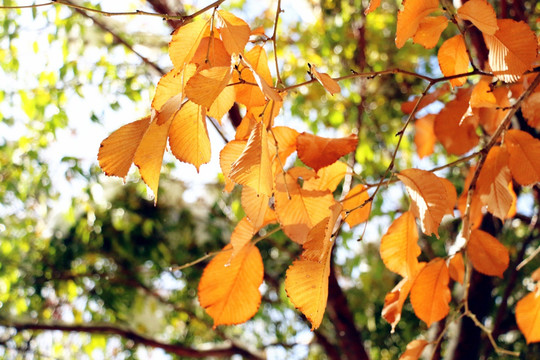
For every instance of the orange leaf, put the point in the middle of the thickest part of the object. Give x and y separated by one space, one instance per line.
429 200
250 95
266 89
393 302
531 110
399 246
373 5
172 84
234 31
456 268
253 167
185 41
117 151
211 51
487 254
356 197
286 143
409 18
451 195
328 178
482 95
524 153
476 214
188 135
230 153
318 152
205 86
241 235
528 316
453 59
326 81
255 206
229 288
457 135
424 136
306 281
481 14
492 184
512 49
491 117
430 30
430 294
408 106
149 154
298 209
414 350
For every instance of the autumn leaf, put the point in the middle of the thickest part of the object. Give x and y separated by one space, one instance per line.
424 136
149 155
476 215
205 86
352 213
531 110
241 235
185 42
253 167
117 151
229 288
327 178
414 350
430 294
492 184
172 84
399 246
481 14
393 302
430 30
487 254
482 94
247 94
228 155
512 49
266 89
286 143
318 152
255 206
451 195
490 117
234 31
298 209
453 59
410 17
528 316
408 106
373 5
456 268
457 134
524 160
429 200
188 135
306 281
211 51
325 80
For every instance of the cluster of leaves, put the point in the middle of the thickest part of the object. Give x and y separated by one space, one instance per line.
212 70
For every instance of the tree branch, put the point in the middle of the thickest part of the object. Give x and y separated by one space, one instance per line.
176 349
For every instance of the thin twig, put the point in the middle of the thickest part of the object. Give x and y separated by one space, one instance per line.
274 38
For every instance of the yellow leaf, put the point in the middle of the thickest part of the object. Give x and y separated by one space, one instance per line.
512 49
222 104
241 235
234 31
430 30
357 196
453 59
306 281
326 81
424 136
430 294
286 143
230 153
487 254
393 302
185 41
116 152
149 154
328 178
188 135
414 350
492 184
253 167
255 206
481 14
429 200
528 316
409 18
318 152
266 89
399 246
456 268
229 288
205 86
250 95
524 153
211 51
298 209
172 84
